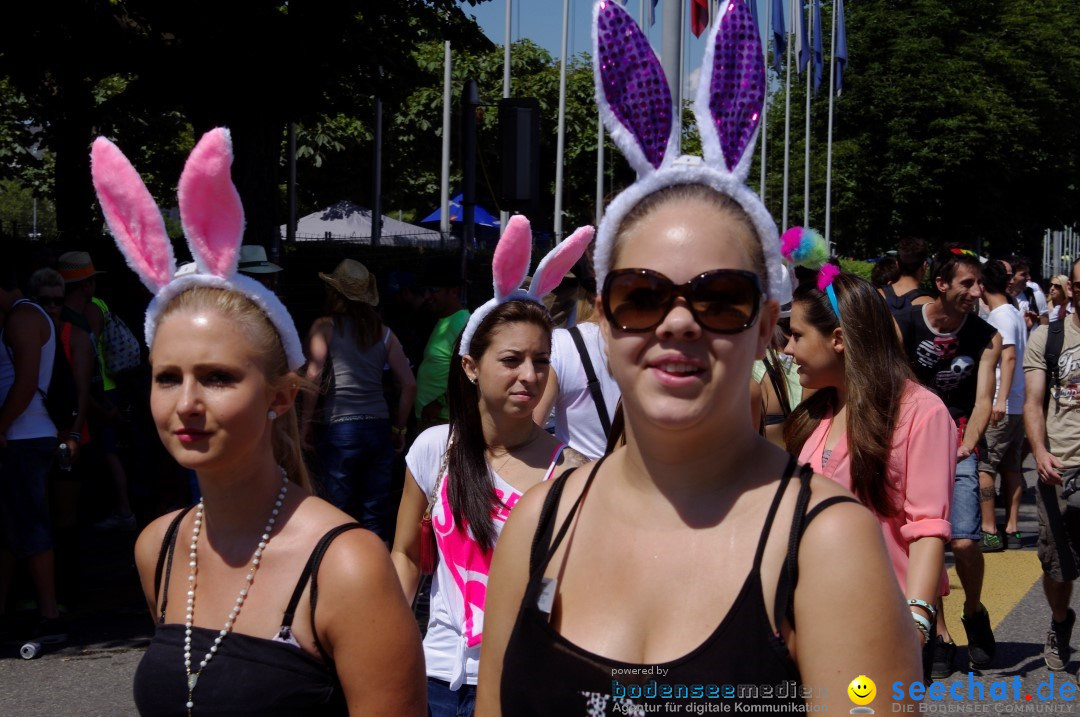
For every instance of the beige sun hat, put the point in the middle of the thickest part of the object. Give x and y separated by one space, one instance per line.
354 281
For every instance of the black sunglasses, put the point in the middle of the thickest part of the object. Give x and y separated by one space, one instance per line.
49 300
724 301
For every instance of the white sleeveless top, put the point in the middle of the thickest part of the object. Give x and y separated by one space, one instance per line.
577 421
34 422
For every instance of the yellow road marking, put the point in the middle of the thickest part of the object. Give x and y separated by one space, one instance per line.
1008 578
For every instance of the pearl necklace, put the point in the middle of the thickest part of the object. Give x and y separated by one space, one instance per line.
193 677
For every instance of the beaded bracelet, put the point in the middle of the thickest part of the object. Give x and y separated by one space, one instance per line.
930 609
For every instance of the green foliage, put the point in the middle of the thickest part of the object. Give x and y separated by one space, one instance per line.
857 267
17 212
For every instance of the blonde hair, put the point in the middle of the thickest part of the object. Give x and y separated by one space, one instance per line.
1064 281
264 338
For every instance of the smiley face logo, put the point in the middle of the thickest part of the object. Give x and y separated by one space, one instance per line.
862 690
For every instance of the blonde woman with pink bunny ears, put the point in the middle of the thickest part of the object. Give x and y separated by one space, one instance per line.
466 477
283 606
696 555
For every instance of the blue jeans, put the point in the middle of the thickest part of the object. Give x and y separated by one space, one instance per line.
965 517
25 528
444 702
357 457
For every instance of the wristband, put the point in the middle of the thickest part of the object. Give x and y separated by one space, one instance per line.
930 609
397 431
922 624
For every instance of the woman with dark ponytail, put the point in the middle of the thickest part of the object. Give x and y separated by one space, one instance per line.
871 426
463 479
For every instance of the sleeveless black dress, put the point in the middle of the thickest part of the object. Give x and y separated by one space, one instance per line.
249 675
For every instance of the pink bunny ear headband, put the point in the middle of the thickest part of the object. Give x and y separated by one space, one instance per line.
803 246
635 104
510 266
213 221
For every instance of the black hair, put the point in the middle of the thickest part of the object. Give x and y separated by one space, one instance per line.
911 254
470 487
885 272
995 278
950 257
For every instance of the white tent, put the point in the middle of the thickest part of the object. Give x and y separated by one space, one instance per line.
346 221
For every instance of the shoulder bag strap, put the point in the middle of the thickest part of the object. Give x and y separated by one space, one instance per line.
594 382
1055 340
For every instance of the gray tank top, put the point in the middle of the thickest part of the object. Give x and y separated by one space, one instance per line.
358 375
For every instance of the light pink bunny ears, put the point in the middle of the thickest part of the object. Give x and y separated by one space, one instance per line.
213 220
510 266
635 104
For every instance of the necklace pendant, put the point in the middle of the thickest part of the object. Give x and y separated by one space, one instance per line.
191 680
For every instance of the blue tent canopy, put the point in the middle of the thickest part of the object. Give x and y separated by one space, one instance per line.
484 218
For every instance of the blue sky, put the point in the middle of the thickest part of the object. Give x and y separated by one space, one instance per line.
541 22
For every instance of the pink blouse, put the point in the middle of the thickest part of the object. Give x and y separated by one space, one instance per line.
921 470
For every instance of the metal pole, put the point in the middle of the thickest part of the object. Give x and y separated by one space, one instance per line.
787 117
561 143
504 216
444 184
290 228
376 209
641 18
828 160
765 100
809 91
599 170
469 102
671 59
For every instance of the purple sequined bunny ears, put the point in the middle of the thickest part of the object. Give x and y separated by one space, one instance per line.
213 221
636 106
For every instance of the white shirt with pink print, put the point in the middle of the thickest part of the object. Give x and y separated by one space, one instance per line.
459 586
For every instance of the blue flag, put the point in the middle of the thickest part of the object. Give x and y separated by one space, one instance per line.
802 42
819 55
840 51
652 12
779 31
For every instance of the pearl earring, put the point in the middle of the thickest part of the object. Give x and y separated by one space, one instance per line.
271 414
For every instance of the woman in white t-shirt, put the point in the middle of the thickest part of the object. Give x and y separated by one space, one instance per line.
1060 299
472 481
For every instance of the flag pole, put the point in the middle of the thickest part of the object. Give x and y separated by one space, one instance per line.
765 99
671 59
444 184
561 143
828 161
809 91
787 116
599 169
504 216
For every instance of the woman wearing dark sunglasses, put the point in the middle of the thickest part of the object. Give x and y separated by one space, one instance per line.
691 556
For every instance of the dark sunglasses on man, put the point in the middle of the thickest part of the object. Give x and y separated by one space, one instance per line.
49 300
723 301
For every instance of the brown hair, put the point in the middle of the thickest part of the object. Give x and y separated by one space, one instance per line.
367 326
470 488
267 345
875 372
703 193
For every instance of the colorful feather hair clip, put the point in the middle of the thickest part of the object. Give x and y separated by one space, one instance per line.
806 247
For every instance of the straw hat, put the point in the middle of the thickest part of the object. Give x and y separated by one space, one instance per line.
354 281
76 266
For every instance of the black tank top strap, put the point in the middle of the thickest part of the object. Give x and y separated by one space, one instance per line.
164 562
784 480
825 504
566 523
789 574
545 526
311 570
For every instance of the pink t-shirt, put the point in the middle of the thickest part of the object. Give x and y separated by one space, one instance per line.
922 467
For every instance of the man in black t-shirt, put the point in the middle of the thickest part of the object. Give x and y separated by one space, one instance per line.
953 353
905 292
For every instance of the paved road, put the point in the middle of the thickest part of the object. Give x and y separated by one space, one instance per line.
92 675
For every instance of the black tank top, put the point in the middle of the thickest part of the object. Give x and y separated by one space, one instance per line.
744 660
249 675
898 304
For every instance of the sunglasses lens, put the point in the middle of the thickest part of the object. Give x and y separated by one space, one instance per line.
635 301
50 301
725 302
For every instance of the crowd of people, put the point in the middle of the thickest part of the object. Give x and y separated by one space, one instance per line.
708 457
